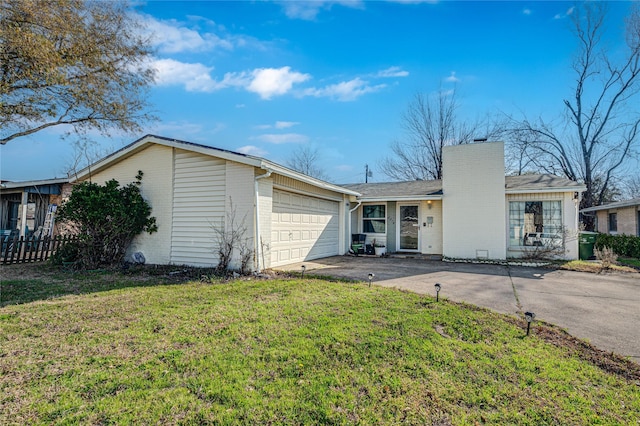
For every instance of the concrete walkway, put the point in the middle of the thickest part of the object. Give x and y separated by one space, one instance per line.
601 308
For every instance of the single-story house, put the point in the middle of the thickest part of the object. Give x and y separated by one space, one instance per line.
621 217
473 212
24 205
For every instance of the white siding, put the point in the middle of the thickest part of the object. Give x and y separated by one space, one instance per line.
241 198
265 198
156 164
303 228
473 216
198 206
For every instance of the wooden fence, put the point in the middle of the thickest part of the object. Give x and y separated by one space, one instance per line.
31 249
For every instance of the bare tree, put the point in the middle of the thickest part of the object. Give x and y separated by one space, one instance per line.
85 152
632 189
83 64
305 159
602 121
429 123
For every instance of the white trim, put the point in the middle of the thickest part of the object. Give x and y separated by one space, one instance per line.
361 219
248 160
398 227
399 199
545 190
307 193
276 168
17 185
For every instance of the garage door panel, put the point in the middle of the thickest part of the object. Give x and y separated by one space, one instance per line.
303 228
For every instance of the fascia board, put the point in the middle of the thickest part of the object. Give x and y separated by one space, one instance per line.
17 185
388 199
546 190
141 144
276 168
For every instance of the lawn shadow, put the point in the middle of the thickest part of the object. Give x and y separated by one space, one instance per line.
25 283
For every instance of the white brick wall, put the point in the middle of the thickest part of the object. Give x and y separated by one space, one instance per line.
473 216
157 165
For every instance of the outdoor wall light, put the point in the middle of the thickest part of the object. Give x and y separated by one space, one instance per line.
370 278
529 316
304 268
437 286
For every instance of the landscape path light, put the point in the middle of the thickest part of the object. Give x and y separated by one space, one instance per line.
371 275
304 268
529 316
437 286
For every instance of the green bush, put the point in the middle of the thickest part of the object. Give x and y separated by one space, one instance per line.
106 218
622 245
69 252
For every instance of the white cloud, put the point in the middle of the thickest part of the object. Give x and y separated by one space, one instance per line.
252 150
269 82
452 78
569 12
277 125
308 10
393 72
171 36
279 139
344 168
345 91
195 77
285 124
527 12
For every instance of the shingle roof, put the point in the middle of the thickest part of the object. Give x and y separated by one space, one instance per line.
433 188
616 205
415 188
539 182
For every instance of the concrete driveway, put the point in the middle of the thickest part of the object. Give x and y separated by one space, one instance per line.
603 309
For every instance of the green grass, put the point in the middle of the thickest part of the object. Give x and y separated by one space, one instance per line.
131 350
629 261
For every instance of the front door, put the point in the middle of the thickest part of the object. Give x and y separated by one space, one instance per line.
409 231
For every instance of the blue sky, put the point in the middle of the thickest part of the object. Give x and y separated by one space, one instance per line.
265 77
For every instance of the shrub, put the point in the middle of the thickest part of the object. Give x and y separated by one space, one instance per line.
69 252
622 245
106 218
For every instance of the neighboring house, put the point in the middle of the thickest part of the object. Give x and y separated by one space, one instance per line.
24 205
474 212
621 217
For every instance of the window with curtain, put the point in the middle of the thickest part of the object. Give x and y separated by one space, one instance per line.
535 223
374 219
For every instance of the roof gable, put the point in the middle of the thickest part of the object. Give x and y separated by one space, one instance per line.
237 157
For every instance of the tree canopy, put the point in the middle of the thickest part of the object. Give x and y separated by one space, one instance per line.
71 62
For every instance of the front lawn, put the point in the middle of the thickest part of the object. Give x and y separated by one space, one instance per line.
142 350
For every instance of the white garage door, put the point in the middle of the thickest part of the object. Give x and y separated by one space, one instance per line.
303 228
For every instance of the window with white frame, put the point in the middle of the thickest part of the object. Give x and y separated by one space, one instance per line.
374 219
535 223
